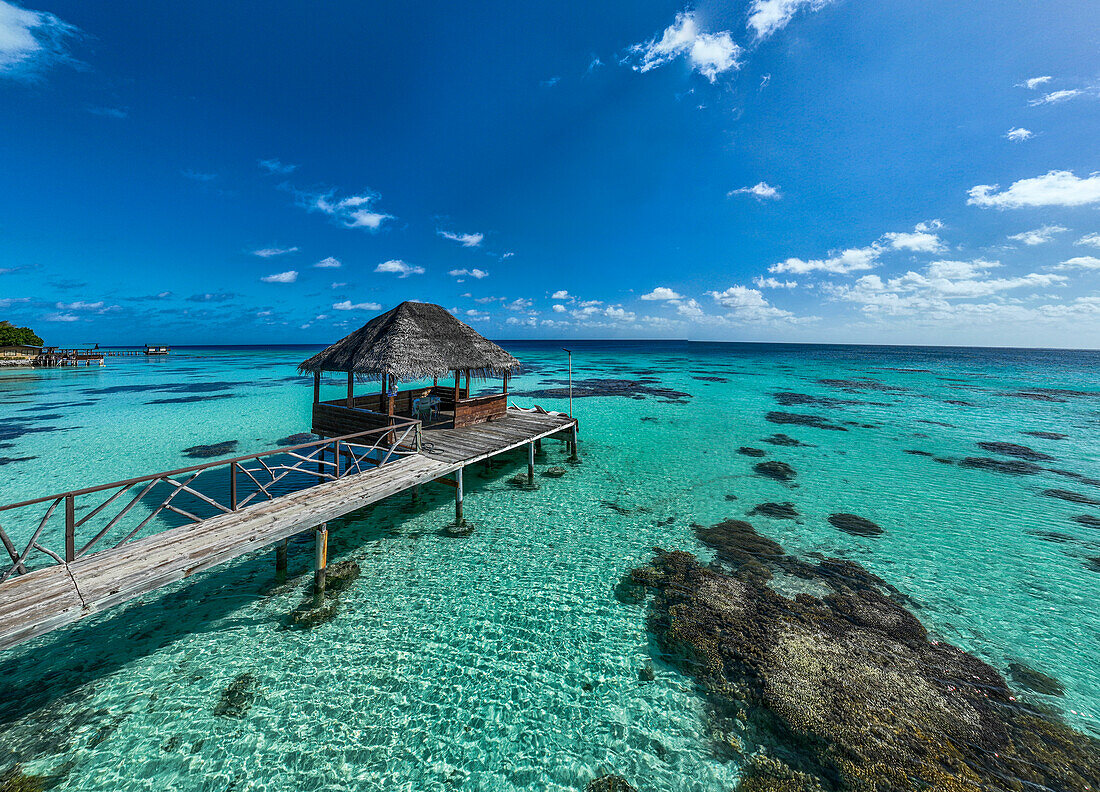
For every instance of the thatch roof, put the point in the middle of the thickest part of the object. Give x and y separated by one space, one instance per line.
413 341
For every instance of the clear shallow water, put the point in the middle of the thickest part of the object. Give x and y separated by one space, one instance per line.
502 660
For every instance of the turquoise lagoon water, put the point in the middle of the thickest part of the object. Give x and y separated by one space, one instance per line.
502 660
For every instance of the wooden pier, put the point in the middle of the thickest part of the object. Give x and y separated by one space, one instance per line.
241 505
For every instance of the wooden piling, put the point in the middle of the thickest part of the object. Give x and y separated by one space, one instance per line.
458 498
351 390
280 561
320 564
573 444
530 463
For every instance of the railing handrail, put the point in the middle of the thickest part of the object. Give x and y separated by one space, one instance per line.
190 469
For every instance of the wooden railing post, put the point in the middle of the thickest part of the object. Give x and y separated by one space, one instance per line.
70 529
233 486
337 456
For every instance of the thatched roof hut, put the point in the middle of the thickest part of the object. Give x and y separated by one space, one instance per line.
410 342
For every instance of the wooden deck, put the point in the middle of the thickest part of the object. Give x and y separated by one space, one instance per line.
42 600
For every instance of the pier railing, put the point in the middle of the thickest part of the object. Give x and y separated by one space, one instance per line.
65 527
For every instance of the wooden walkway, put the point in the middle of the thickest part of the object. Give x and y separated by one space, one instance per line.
42 600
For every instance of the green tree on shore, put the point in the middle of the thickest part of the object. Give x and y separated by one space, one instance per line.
10 335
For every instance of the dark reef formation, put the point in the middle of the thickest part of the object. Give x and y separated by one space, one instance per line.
296 439
799 419
1015 467
237 698
845 691
780 471
779 511
1015 450
1072 497
750 452
338 578
854 525
786 441
587 388
212 450
609 783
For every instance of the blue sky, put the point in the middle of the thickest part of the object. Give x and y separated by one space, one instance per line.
767 170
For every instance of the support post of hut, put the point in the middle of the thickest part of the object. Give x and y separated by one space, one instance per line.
351 389
320 564
280 561
573 444
458 390
316 387
458 498
530 463
506 386
538 446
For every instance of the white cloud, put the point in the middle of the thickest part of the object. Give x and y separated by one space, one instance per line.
338 285
761 190
348 305
1056 188
748 304
275 166
281 277
1054 97
1035 82
561 294
558 308
519 304
1038 236
768 16
842 263
761 282
354 211
662 293
691 309
328 263
269 252
60 317
471 273
619 314
1089 239
476 316
710 54
81 305
30 39
933 289
466 240
1080 262
920 240
399 268
1018 134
